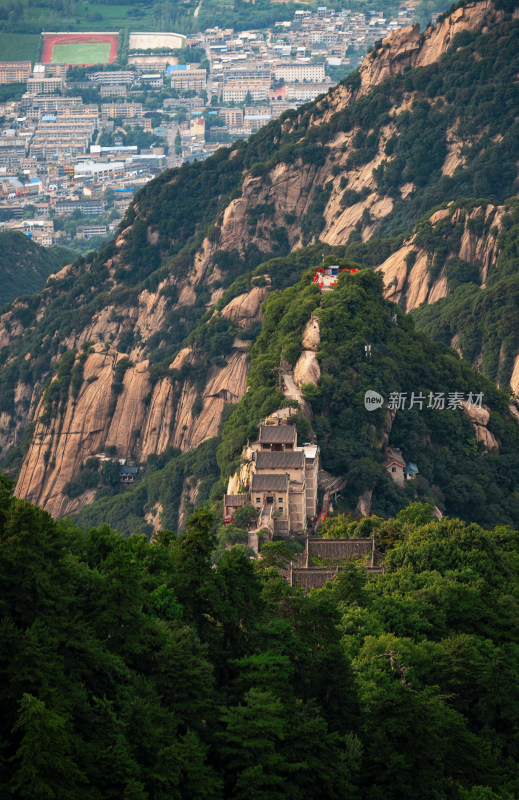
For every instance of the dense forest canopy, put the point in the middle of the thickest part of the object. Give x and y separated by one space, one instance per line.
25 265
135 669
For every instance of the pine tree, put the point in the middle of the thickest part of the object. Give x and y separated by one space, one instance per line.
44 765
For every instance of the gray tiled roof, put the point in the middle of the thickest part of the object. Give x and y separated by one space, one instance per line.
286 459
331 549
312 578
269 483
277 434
128 470
235 500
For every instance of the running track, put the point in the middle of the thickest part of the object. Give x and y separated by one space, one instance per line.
50 39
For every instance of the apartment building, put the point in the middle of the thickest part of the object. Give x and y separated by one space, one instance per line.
189 80
68 124
63 136
291 73
113 152
256 118
48 148
50 104
237 90
112 77
145 64
114 90
197 128
11 211
65 206
124 110
246 71
233 117
57 70
15 72
189 103
90 231
306 91
12 152
39 85
153 80
41 231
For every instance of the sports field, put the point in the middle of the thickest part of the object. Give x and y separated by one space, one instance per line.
91 53
79 48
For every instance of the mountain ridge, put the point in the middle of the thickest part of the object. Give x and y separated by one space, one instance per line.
167 275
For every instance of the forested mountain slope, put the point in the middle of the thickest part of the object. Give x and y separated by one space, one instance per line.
124 352
25 265
468 458
464 458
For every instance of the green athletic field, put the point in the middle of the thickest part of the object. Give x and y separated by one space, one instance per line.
89 53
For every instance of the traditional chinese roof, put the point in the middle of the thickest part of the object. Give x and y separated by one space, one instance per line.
235 500
127 470
277 434
269 483
286 459
393 456
311 578
339 549
301 571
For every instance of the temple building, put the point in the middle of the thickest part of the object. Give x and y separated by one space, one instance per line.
324 559
283 478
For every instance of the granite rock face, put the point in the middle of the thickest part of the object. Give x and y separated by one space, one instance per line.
150 414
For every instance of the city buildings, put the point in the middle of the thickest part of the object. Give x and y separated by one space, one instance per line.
15 71
188 80
69 140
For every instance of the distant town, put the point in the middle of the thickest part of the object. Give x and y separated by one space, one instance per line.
101 114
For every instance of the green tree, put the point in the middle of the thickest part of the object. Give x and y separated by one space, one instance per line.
44 766
250 747
194 579
178 144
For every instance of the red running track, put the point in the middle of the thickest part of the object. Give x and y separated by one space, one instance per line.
50 39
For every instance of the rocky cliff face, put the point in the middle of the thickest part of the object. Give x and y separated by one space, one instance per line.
144 419
407 48
410 274
164 274
459 248
289 190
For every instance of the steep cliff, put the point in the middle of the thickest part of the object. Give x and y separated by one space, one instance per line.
459 275
173 293
139 420
422 270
